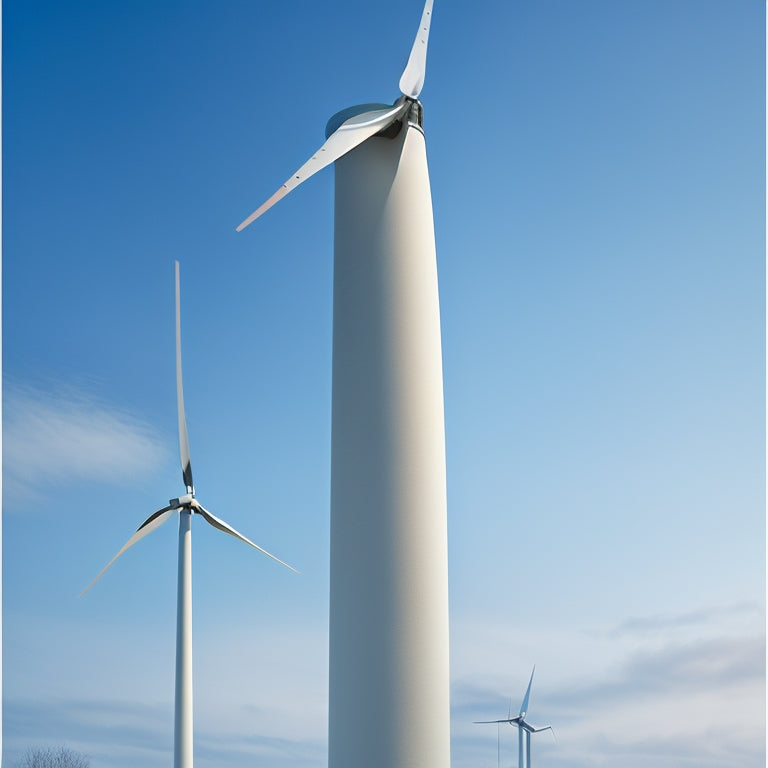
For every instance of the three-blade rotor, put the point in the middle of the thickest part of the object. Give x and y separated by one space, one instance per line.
187 501
354 131
519 719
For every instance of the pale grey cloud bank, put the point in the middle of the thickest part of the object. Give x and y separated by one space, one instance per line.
260 694
127 735
63 435
692 668
99 729
671 691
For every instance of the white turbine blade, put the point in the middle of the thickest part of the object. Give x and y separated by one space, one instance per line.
412 79
222 526
153 521
345 138
511 720
524 706
488 722
186 464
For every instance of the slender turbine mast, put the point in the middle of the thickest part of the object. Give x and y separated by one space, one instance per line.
186 505
388 666
524 728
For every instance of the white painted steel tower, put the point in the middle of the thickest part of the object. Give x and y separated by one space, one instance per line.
388 687
389 676
187 506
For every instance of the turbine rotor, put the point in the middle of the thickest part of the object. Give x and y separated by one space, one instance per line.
348 129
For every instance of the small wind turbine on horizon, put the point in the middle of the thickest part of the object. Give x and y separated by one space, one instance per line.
186 505
524 728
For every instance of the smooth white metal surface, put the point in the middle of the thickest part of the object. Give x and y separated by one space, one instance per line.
389 677
183 722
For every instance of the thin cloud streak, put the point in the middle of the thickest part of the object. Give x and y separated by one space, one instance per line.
701 617
57 437
217 750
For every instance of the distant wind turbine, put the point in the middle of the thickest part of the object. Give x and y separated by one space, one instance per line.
524 728
388 689
186 505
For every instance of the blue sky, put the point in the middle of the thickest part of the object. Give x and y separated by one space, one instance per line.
598 176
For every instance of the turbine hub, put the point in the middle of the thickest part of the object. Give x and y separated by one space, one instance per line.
187 500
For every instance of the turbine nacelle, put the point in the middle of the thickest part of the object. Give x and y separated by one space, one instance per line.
187 500
412 112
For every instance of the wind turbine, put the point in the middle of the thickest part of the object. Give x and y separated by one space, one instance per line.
388 642
524 728
186 505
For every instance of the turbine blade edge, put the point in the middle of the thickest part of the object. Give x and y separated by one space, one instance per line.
345 138
526 698
227 528
155 520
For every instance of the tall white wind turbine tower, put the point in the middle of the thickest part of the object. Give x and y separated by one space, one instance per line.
524 728
388 666
186 505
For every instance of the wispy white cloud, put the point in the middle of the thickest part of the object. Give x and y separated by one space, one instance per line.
53 437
